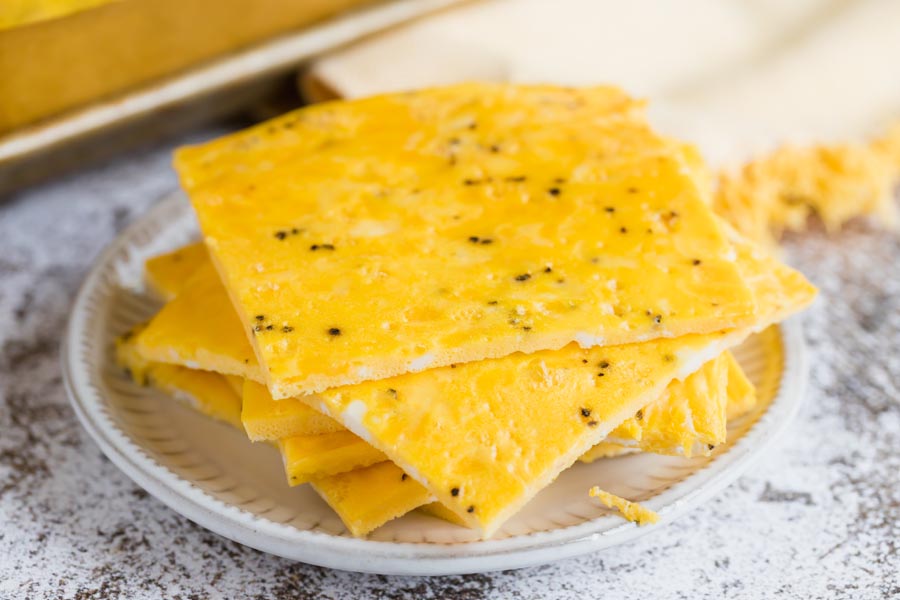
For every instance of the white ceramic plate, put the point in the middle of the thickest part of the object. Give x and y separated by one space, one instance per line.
211 474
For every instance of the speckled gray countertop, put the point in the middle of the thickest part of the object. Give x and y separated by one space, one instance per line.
817 517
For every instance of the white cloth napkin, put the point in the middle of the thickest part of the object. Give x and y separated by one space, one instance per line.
735 76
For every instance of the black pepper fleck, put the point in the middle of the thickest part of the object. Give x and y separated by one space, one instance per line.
592 423
603 364
548 269
670 217
260 317
610 209
585 412
523 277
554 191
281 234
493 302
711 446
334 331
639 415
471 509
623 230
287 329
269 328
404 477
696 261
454 491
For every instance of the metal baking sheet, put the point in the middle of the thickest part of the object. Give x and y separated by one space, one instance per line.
33 153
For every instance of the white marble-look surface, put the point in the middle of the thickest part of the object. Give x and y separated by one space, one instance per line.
817 517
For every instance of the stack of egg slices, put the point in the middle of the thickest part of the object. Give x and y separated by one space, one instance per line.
440 300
